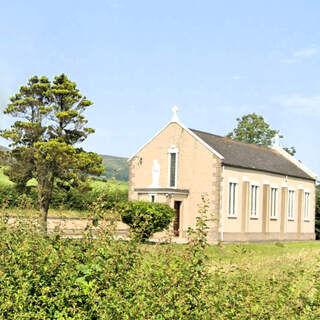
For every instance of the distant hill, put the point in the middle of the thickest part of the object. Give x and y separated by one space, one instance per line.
117 167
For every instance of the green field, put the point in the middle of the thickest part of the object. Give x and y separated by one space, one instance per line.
266 259
269 258
110 184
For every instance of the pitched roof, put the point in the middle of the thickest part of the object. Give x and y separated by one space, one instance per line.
250 156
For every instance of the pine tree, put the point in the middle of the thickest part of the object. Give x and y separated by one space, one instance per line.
49 124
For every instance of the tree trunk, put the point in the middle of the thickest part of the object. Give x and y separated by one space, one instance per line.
44 220
44 198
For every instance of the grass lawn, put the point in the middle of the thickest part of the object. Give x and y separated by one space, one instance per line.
259 261
257 256
265 256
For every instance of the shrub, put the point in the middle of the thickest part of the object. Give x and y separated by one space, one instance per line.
72 199
11 198
102 278
146 218
98 278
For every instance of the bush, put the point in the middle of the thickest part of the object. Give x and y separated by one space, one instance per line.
72 199
146 218
11 198
101 278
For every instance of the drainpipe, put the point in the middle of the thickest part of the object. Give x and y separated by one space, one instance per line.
222 206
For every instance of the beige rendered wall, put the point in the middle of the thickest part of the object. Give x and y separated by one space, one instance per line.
199 171
244 228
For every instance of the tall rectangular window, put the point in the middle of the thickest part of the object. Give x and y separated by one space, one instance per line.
173 167
306 206
273 203
291 205
233 199
254 201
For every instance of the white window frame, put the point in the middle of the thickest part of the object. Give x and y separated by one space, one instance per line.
257 193
306 213
171 150
233 213
274 213
152 195
291 204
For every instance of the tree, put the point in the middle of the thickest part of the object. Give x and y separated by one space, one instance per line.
291 150
253 129
49 125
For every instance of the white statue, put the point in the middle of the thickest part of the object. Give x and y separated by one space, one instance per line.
155 174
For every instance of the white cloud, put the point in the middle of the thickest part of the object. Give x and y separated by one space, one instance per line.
306 53
299 104
299 55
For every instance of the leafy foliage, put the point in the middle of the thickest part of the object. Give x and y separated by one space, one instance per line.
146 218
253 129
65 198
102 278
116 167
49 124
291 150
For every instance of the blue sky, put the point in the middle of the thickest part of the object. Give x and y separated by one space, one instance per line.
216 60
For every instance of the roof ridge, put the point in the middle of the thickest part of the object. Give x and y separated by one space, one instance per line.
237 141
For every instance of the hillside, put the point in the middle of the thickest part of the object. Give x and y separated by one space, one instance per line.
117 167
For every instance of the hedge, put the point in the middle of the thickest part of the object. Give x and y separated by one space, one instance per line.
71 199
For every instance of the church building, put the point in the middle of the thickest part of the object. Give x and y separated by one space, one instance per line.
254 193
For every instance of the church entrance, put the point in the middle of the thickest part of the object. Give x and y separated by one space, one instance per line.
176 221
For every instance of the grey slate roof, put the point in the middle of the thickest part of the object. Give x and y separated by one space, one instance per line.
250 156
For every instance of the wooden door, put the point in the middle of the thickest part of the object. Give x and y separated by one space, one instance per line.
176 222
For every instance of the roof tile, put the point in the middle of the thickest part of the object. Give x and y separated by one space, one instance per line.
250 156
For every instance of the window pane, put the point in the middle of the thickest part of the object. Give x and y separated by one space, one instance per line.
273 204
234 199
272 200
306 205
256 200
173 169
230 198
251 200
